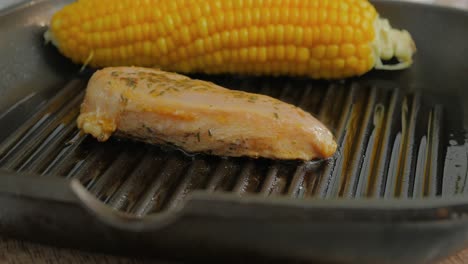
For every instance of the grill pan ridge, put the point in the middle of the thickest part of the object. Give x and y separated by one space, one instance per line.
401 142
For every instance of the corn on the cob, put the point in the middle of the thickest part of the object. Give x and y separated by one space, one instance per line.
316 38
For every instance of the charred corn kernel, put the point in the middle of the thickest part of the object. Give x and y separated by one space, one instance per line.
317 38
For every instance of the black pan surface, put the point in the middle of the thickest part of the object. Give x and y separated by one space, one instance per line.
394 193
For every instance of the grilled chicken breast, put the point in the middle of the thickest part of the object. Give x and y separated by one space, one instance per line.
198 116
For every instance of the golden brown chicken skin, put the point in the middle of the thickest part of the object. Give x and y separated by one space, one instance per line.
161 107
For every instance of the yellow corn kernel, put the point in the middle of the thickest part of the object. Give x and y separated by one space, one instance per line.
217 41
272 52
261 36
218 58
308 37
209 47
147 48
332 51
262 54
235 40
348 33
303 54
244 54
318 52
185 36
199 46
347 50
314 65
139 48
225 38
202 27
363 51
352 62
326 34
289 34
326 64
298 36
253 35
336 34
252 54
243 37
138 33
145 31
290 52
338 64
280 53
162 45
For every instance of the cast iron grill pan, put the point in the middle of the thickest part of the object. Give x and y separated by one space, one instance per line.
400 143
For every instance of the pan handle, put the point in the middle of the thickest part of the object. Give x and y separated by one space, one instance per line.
118 219
50 190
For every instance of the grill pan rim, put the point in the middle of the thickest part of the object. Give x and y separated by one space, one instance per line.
64 190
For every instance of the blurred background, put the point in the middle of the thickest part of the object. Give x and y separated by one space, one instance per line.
456 3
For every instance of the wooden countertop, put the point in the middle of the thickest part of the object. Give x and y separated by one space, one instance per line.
14 251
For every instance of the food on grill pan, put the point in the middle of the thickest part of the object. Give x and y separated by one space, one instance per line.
161 107
315 38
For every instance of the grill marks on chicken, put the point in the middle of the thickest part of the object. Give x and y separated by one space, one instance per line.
197 116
